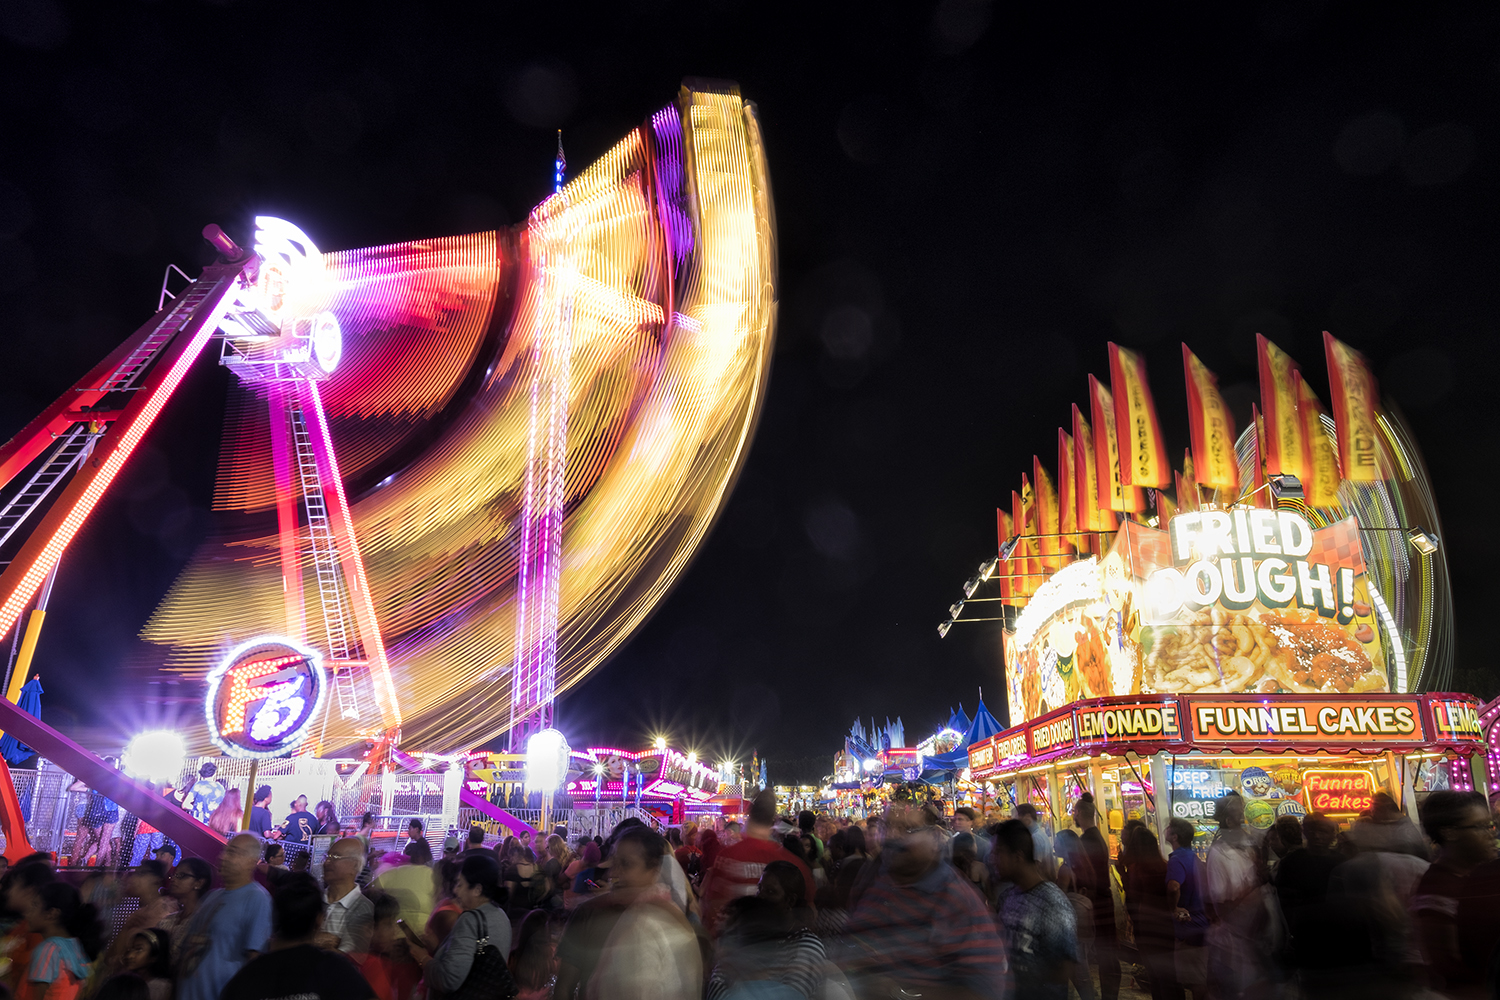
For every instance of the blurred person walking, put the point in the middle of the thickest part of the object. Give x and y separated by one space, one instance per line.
1041 840
1457 901
1237 937
919 926
187 886
72 938
1186 879
1387 828
1070 860
293 966
1095 884
767 937
1152 914
230 927
472 960
652 951
738 867
1036 918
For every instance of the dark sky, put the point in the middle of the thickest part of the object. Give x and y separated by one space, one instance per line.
969 205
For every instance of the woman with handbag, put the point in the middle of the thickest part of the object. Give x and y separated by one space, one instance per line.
471 963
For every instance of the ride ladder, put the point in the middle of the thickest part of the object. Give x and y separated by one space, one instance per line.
326 566
71 448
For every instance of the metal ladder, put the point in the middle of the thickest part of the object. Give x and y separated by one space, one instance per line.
137 361
70 449
326 565
73 444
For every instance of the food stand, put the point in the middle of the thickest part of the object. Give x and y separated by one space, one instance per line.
1153 757
1282 628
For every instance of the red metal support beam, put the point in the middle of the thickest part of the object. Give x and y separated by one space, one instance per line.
199 310
193 837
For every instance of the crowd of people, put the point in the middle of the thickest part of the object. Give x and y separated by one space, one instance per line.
913 903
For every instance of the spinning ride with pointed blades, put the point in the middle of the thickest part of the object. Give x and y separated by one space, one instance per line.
488 456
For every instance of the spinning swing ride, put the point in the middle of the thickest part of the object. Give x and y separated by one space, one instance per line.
460 470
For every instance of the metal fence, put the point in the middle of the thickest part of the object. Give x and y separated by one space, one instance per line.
53 802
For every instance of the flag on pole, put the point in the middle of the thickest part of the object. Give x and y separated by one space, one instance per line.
1046 516
1322 482
1210 425
1020 566
1354 395
1254 494
1034 571
1143 460
1165 509
1187 486
1067 506
1113 495
1003 570
1285 451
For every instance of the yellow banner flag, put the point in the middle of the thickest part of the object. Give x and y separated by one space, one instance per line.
1278 404
1067 507
1354 397
1113 495
1165 509
1086 490
1003 570
1187 487
1322 482
1143 460
1210 425
1047 519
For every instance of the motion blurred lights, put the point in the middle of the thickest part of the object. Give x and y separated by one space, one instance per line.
156 755
546 760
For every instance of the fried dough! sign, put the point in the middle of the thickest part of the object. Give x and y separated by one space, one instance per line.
1222 602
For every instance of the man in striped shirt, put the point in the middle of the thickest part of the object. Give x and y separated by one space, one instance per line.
920 927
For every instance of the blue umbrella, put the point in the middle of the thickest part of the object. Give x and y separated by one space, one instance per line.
30 702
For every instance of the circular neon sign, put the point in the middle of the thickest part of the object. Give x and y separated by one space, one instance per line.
264 696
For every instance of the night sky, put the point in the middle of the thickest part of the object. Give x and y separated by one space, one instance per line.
969 206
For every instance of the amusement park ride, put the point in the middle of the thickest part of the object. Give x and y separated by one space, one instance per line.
430 427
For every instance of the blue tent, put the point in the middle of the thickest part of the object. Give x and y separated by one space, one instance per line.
958 721
30 702
983 726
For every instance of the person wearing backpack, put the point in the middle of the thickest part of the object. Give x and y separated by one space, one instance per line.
471 963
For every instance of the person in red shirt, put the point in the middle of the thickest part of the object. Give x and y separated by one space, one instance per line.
737 868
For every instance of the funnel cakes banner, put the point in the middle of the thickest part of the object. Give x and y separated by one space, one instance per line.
1222 602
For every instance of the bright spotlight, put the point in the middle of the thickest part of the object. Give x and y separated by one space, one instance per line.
1423 540
156 755
692 756
661 743
944 627
546 760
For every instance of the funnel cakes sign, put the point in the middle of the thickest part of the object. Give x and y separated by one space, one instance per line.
1222 602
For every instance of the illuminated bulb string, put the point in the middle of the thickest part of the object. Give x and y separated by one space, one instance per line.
534 675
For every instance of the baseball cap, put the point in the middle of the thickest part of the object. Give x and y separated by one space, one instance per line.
451 845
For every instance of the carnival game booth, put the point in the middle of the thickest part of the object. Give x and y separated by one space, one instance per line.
605 784
1154 757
